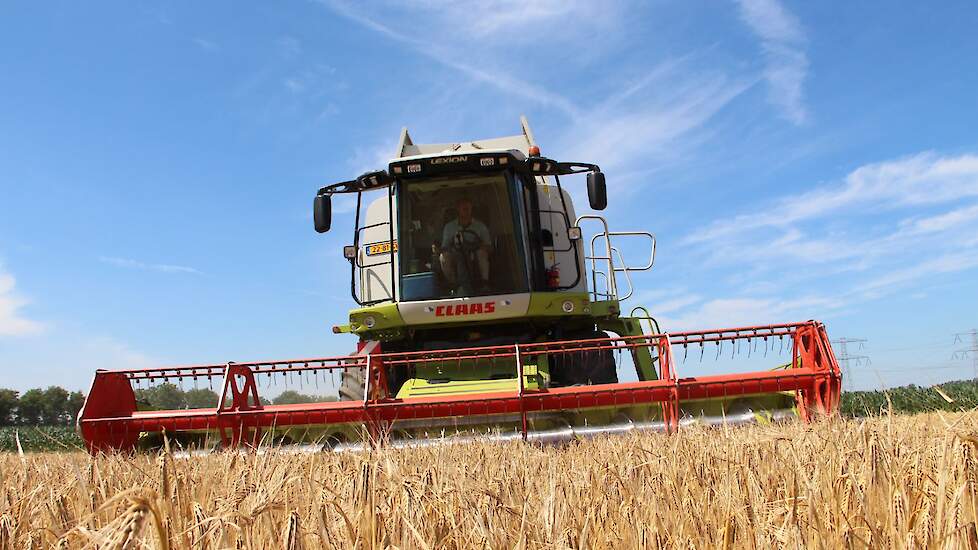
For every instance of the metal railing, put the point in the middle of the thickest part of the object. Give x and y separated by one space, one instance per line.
603 260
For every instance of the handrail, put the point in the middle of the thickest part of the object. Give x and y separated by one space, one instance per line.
653 324
612 290
628 278
610 252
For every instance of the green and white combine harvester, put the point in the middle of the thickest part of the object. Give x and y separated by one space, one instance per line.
486 308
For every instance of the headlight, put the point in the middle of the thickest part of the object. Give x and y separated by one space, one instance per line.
567 306
369 321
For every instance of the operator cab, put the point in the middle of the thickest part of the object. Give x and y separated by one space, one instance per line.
458 226
461 236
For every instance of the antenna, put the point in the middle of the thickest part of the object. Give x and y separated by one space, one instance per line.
845 358
972 352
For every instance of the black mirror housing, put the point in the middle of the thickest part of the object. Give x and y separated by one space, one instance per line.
322 212
597 191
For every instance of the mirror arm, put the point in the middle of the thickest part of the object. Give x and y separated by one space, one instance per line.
566 168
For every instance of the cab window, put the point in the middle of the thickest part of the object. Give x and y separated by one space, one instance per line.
459 237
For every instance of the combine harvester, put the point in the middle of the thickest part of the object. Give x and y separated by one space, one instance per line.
484 311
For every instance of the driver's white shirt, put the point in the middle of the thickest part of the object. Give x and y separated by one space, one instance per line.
475 226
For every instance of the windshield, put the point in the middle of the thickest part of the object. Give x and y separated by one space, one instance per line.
459 237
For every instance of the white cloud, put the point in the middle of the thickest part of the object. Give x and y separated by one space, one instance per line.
68 358
946 263
638 118
822 232
289 46
922 179
618 131
517 20
205 44
941 222
134 264
12 321
747 311
786 63
451 58
376 157
294 85
674 304
108 353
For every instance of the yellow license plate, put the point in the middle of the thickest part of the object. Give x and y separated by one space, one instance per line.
380 248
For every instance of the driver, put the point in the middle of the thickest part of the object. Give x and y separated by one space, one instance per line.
461 235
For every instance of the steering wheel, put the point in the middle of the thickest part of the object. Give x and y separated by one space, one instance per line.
463 244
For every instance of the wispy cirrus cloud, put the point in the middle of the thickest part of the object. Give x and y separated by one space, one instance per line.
946 263
649 116
924 218
12 320
786 63
514 19
205 44
746 311
135 264
921 179
450 58
638 112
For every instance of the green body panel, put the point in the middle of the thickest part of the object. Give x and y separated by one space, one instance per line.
455 377
390 326
550 304
605 309
449 378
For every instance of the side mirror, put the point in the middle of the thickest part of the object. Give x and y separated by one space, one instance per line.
597 190
322 212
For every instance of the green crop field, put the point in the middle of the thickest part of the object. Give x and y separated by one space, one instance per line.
39 438
957 396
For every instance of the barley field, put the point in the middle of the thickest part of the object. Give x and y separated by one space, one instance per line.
890 482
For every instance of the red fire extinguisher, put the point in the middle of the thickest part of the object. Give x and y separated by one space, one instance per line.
553 276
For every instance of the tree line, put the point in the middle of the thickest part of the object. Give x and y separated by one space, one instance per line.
56 406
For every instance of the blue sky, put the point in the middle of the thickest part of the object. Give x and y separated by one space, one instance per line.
796 160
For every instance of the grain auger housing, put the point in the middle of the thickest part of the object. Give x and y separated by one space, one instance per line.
486 307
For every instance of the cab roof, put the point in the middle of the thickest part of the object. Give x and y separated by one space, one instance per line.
407 149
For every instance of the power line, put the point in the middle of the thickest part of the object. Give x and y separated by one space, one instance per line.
972 352
845 359
923 346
